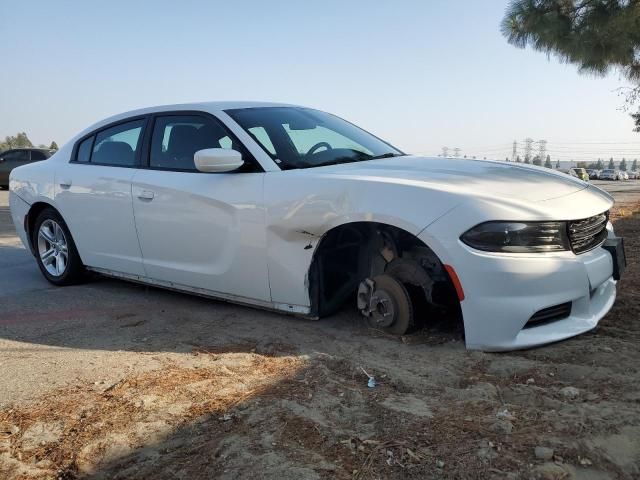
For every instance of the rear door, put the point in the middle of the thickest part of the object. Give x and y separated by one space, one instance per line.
93 192
200 230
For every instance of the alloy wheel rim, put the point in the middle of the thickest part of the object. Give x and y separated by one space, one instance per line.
53 248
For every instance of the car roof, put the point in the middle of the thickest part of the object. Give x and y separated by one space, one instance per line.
211 107
38 149
204 106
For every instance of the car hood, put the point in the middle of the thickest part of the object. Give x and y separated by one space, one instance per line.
472 177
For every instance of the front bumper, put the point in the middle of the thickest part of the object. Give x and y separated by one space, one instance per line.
503 291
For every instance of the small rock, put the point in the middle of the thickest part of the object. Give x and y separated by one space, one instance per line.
544 453
530 381
585 462
440 464
570 392
502 426
15 430
607 349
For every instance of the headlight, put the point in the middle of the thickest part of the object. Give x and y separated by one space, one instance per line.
518 237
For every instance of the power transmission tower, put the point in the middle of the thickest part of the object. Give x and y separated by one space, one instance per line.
528 148
542 149
445 152
456 152
514 155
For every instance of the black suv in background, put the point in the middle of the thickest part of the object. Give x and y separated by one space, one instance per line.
10 159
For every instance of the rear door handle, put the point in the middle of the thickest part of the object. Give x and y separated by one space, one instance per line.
65 184
146 195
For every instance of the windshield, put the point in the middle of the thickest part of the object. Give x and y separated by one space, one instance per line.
297 137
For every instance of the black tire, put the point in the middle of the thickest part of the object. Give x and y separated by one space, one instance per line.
403 308
74 270
4 187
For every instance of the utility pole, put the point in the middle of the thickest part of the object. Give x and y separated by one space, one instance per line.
456 152
542 149
528 148
445 152
514 154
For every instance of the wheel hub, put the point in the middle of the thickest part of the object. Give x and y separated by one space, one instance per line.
52 248
377 304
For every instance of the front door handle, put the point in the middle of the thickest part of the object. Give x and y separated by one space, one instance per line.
66 184
146 195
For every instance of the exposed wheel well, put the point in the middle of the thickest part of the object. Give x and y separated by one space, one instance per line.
352 252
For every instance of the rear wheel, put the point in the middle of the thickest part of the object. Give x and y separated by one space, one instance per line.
56 253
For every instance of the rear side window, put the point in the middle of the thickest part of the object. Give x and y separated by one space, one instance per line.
38 155
84 150
119 145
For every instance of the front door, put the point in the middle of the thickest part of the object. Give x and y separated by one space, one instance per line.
200 230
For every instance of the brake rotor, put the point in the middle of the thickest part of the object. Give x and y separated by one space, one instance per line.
386 304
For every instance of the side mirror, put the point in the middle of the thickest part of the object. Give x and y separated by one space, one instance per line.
217 160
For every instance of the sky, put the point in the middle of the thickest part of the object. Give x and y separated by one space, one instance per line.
420 74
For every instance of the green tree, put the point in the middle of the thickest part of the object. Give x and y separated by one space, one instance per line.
53 146
547 162
623 165
600 164
634 165
557 163
537 161
595 35
526 159
611 164
19 140
518 159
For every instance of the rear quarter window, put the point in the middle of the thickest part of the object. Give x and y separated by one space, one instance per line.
84 150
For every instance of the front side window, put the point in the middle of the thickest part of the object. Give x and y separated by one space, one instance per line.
301 137
118 145
176 138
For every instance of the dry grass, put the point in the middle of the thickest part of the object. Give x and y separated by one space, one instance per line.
70 430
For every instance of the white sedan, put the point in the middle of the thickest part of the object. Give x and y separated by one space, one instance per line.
296 210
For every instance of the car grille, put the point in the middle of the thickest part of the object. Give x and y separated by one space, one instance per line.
548 315
588 233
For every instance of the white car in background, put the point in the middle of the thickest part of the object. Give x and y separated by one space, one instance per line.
611 174
299 211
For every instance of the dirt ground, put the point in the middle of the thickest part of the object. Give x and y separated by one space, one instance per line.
113 380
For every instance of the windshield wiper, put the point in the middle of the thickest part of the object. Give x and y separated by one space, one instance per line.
387 155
